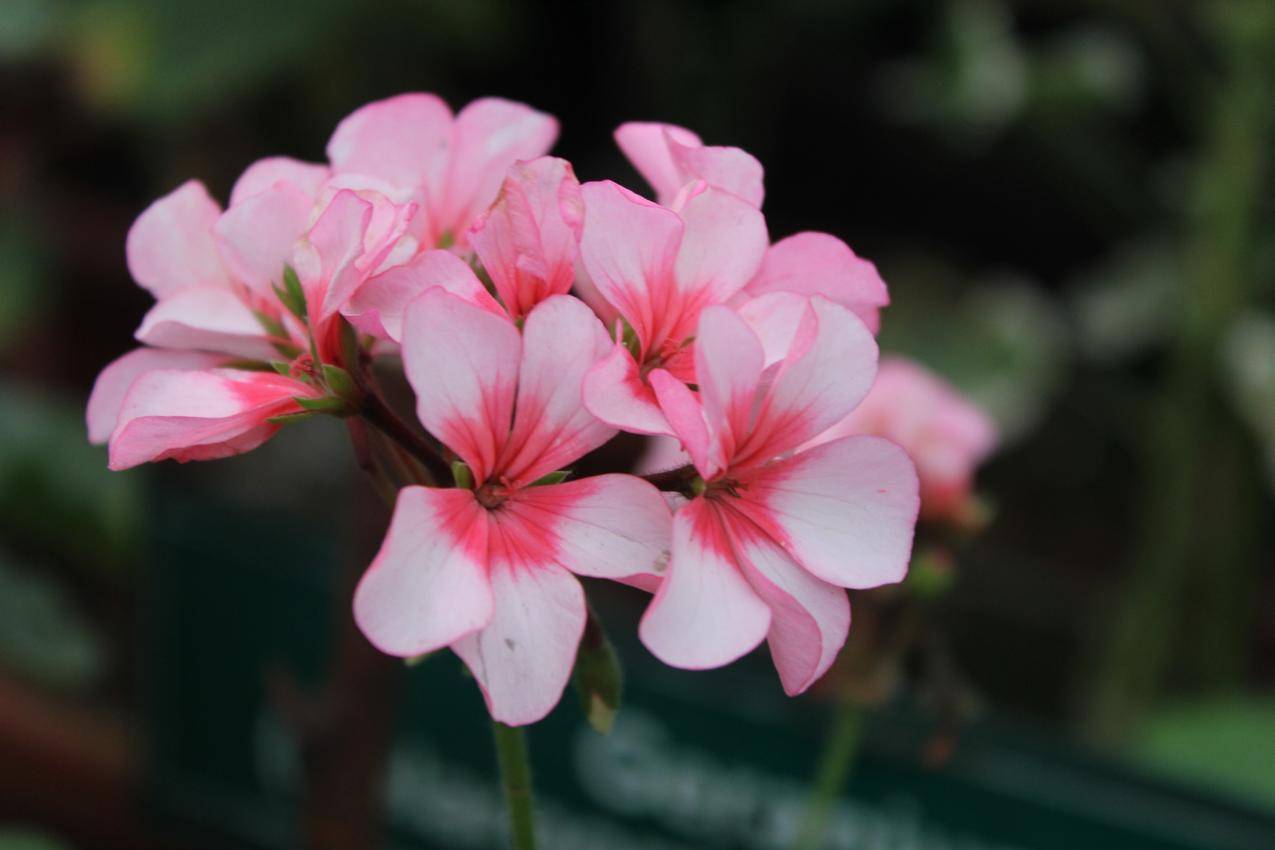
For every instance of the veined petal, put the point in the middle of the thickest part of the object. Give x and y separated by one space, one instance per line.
844 510
728 367
206 318
722 246
646 144
337 239
490 135
528 240
114 381
522 660
377 307
809 618
257 235
561 340
607 526
462 361
615 393
828 370
200 415
171 247
727 168
820 264
428 586
404 140
263 174
629 247
705 614
775 317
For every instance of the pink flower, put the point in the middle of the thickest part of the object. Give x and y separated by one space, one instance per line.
488 571
946 435
414 149
527 243
214 276
659 268
778 530
671 158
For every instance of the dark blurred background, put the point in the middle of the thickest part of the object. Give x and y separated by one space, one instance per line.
1071 200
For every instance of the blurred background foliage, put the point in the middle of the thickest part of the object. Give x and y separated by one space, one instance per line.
1072 201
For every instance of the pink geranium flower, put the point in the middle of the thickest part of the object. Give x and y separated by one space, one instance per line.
776 532
659 268
946 434
671 158
488 571
214 276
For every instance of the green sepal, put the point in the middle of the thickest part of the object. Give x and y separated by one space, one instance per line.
247 365
288 418
446 240
340 383
287 349
462 475
630 339
417 660
327 404
552 478
291 295
283 367
350 349
598 679
271 325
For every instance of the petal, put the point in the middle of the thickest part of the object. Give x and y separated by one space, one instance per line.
523 659
256 236
528 240
844 510
646 144
661 454
608 526
561 341
615 393
775 317
403 140
724 242
427 586
685 414
827 371
727 168
200 415
377 307
462 362
337 239
263 174
629 246
705 614
171 246
490 135
728 367
821 264
206 318
809 618
115 380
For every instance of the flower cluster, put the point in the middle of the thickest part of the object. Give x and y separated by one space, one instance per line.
453 242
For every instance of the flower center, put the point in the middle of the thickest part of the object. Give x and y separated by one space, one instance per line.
491 495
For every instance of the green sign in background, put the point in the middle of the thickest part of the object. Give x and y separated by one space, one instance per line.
702 760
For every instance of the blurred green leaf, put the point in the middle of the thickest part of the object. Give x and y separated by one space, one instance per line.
21 268
55 489
1248 373
1224 743
27 27
20 838
43 637
1127 305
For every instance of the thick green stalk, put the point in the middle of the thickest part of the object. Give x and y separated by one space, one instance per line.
835 766
515 777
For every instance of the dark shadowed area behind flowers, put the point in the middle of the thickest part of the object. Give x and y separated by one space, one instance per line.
1073 204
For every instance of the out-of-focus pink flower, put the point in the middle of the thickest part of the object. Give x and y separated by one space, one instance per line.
488 571
777 531
946 434
658 268
414 149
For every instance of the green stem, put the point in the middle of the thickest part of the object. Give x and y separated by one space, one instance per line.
515 776
835 765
